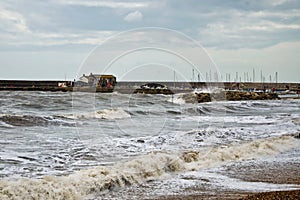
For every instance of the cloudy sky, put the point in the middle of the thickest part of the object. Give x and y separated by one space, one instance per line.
51 39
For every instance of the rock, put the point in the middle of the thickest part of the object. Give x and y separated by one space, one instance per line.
297 135
228 95
140 141
238 96
204 97
190 98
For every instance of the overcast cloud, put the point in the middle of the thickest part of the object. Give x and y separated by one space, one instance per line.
228 29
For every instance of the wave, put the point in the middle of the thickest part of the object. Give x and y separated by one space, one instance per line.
114 113
177 99
91 182
174 112
5 125
250 120
237 107
296 121
31 120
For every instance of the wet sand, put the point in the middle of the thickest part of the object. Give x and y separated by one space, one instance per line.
293 194
289 195
275 172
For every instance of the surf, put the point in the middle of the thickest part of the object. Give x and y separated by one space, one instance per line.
87 183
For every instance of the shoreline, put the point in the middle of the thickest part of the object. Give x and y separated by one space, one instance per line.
281 171
286 194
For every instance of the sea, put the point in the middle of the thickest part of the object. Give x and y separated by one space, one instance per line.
64 145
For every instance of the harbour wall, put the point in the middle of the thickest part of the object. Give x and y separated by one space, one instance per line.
35 85
53 85
225 85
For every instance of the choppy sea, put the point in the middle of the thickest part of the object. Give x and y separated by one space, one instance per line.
57 145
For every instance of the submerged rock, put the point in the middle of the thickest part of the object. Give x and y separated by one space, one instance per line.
297 135
238 96
228 95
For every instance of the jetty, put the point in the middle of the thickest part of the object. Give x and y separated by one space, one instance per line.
36 85
108 83
91 83
185 87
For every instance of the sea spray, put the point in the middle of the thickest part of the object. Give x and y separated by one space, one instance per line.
115 113
111 114
93 181
211 157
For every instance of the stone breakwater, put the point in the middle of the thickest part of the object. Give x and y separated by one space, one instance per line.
229 96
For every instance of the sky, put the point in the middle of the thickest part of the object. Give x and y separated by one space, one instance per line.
58 39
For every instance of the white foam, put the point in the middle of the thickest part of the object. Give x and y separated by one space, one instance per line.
232 119
114 113
3 124
218 180
177 99
208 90
212 157
84 183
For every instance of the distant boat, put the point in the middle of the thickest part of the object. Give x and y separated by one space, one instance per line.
153 88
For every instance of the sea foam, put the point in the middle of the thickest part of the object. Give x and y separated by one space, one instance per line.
93 181
114 113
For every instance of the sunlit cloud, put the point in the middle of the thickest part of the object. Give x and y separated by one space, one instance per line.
108 4
134 16
11 21
57 39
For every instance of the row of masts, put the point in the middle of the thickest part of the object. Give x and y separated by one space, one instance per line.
228 77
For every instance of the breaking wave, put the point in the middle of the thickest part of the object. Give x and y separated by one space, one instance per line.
31 120
91 182
115 113
177 99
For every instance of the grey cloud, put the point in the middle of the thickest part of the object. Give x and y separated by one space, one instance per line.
215 23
